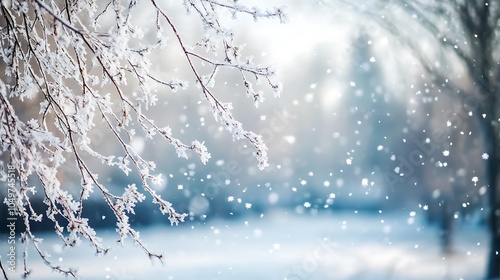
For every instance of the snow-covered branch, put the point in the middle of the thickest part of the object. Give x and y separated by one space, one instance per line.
77 58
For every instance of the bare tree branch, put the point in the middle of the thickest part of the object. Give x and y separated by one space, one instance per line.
67 54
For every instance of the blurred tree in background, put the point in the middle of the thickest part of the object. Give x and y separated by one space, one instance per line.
457 44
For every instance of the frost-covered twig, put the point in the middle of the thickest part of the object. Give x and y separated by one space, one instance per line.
67 54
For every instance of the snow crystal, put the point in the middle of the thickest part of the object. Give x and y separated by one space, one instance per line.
364 182
441 164
475 179
485 156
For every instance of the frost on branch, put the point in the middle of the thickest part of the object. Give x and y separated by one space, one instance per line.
78 60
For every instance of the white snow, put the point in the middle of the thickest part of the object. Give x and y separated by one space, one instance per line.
283 246
475 179
364 182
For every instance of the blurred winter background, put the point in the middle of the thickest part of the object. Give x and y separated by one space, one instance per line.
357 187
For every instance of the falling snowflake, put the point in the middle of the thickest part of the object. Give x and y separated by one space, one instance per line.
446 153
475 180
442 164
364 182
485 156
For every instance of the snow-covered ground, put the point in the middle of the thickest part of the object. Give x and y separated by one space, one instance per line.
335 245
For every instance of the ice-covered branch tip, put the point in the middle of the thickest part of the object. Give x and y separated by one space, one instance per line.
88 64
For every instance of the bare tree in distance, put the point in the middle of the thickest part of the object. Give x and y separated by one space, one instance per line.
68 54
463 34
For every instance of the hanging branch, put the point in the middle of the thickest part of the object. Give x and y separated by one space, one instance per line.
66 53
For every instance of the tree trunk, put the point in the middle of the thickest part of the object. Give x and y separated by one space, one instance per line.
489 73
446 225
491 135
494 199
